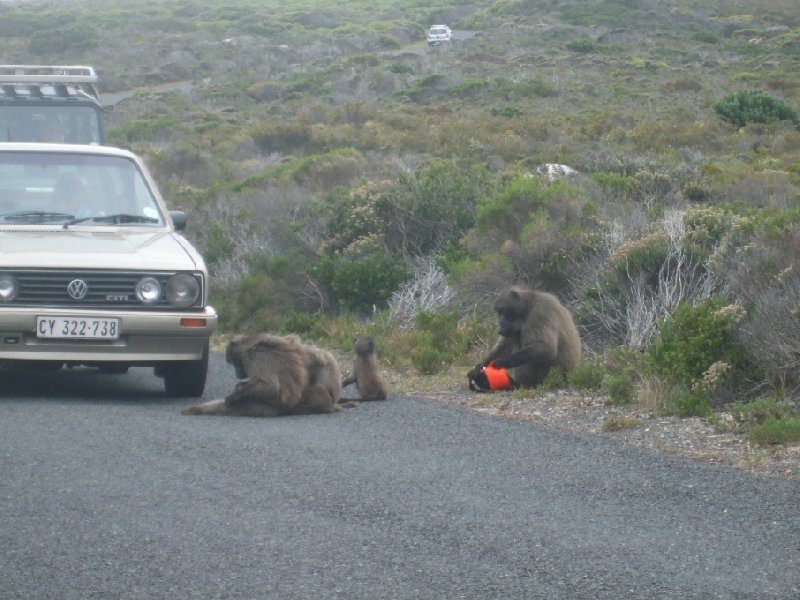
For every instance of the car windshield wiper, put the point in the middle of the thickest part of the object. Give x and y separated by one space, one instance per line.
120 218
75 221
37 215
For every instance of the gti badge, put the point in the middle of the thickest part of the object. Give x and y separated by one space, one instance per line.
77 289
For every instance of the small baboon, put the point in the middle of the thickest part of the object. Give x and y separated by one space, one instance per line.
536 333
366 373
281 376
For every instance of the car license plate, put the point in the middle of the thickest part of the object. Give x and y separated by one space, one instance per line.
84 328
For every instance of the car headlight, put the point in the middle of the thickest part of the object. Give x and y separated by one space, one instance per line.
8 287
148 290
183 290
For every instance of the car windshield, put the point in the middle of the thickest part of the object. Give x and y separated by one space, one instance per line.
70 188
73 124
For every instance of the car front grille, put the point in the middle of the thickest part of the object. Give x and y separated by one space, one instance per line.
104 289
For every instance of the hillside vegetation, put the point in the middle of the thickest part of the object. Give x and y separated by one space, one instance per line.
343 176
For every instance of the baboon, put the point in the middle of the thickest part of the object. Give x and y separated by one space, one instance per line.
536 333
281 376
366 373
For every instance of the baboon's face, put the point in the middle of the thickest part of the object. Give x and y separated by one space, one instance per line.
365 345
233 355
512 310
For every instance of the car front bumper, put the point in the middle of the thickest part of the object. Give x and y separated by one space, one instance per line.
145 337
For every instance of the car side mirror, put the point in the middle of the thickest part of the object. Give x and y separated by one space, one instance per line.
179 219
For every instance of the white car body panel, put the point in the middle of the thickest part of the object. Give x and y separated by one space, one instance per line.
129 237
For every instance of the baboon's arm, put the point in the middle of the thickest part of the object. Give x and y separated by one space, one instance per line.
539 351
504 347
254 391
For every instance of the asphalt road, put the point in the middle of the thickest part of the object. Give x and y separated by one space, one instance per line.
108 492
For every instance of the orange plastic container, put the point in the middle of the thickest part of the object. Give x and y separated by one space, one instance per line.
498 378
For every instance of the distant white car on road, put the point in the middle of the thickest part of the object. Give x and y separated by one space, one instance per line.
438 34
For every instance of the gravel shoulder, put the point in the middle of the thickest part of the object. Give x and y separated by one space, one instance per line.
577 411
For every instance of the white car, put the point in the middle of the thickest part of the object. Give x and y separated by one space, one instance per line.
438 34
93 269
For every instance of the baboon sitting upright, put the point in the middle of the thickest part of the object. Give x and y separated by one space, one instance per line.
366 373
282 376
537 333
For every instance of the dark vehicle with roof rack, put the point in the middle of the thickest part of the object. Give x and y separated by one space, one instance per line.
40 103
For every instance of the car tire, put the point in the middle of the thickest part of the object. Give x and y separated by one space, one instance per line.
185 379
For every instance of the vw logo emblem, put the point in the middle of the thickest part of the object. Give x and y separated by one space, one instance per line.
77 289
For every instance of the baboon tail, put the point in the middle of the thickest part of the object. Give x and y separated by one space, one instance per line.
213 407
343 403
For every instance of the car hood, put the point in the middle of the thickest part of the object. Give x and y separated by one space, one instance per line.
117 249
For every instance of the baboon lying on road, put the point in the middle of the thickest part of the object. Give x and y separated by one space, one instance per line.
366 373
536 333
282 376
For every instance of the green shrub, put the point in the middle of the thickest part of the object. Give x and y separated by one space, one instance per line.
143 130
437 339
582 46
694 339
436 205
281 137
248 307
705 37
587 375
399 68
534 87
426 358
741 108
684 84
76 36
689 403
425 89
467 89
543 228
218 244
776 431
415 215
613 183
508 112
19 24
758 263
442 327
351 217
183 162
303 324
264 296
707 228
360 282
555 379
695 191
759 410
644 257
388 42
620 387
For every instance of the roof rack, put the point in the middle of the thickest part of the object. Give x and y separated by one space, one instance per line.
32 77
47 74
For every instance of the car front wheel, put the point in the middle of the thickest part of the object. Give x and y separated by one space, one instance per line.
185 379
